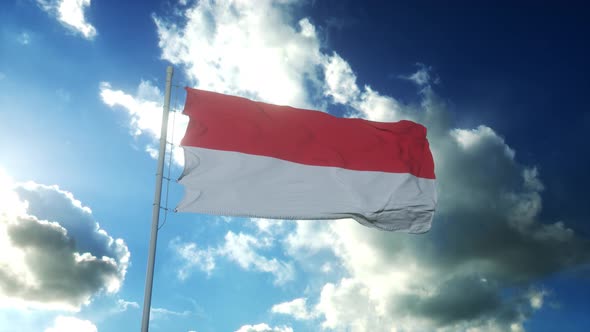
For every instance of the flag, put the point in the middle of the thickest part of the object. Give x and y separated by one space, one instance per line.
253 159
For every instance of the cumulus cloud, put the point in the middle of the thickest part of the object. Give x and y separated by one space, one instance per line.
348 305
71 324
487 236
296 308
144 110
262 327
340 80
53 254
70 13
268 227
245 48
242 249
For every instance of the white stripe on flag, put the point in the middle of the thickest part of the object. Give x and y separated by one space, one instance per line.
239 184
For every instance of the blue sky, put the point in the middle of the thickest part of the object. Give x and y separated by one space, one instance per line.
501 88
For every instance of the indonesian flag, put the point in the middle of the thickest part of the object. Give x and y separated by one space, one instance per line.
252 159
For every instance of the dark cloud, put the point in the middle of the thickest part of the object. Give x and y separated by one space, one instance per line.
64 256
489 248
50 203
487 237
449 303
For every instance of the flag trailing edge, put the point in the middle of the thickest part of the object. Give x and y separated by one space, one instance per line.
253 159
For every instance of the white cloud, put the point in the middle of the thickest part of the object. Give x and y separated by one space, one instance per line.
536 298
340 85
309 237
70 13
262 327
340 80
53 254
71 324
431 282
373 106
2 76
242 249
348 305
268 226
192 257
423 76
144 110
296 308
123 305
472 139
162 313
245 48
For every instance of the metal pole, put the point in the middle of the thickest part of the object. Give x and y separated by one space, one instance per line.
149 278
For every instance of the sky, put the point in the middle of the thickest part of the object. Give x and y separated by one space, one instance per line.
501 87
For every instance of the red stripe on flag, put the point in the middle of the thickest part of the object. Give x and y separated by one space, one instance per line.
230 123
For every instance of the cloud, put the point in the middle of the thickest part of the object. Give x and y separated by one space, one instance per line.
423 76
487 238
144 110
24 38
262 327
245 48
268 226
71 324
162 313
348 305
123 305
53 254
479 266
192 257
242 249
296 308
340 81
70 13
536 298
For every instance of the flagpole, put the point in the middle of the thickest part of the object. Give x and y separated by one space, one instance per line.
149 278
